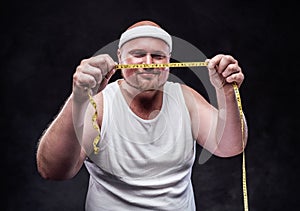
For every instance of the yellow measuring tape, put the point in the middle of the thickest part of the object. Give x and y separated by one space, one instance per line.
244 182
95 125
181 64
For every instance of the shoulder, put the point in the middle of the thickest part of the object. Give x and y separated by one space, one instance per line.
111 86
176 87
188 92
193 99
108 91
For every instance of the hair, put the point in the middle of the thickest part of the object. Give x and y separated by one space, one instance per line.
144 23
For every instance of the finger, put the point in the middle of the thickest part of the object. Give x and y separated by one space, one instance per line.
104 62
213 72
224 62
213 62
84 80
231 69
93 71
236 77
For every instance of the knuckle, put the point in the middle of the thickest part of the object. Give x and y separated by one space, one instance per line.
240 69
77 73
229 58
231 67
220 55
242 77
106 55
84 61
80 68
101 60
75 77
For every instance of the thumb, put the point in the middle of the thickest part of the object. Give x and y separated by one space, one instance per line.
215 78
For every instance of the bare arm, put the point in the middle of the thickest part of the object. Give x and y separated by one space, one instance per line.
219 130
60 154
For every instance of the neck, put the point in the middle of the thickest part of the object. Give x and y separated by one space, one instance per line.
142 102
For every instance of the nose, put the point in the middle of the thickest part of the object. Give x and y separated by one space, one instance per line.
148 59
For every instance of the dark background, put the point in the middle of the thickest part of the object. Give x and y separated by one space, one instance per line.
44 41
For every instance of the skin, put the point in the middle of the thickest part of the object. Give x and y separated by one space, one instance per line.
60 155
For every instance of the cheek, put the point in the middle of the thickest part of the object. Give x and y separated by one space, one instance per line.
133 60
128 73
165 74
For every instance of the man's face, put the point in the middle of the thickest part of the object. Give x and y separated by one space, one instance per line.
145 50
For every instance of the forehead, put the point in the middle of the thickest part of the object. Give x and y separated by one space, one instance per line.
148 44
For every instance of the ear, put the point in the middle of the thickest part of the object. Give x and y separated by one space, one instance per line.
119 55
170 56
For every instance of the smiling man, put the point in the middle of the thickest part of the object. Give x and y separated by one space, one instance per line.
149 126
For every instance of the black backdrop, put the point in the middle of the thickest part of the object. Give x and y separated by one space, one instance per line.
44 41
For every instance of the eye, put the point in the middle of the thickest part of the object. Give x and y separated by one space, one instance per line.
138 53
158 56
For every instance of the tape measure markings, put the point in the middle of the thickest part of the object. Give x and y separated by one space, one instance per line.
163 65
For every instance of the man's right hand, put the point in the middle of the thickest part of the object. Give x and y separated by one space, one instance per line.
92 74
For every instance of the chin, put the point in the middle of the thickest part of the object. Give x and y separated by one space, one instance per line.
151 87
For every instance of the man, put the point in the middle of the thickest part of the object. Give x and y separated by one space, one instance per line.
149 126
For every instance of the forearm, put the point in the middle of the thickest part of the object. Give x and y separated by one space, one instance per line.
231 131
58 154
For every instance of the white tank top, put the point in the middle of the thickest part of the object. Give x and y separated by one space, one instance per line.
142 164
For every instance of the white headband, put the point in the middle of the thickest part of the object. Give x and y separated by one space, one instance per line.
145 31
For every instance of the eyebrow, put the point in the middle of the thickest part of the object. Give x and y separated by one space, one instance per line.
145 52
